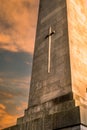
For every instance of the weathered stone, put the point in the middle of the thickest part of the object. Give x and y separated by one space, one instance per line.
46 86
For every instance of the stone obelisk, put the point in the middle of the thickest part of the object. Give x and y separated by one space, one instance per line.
51 105
51 76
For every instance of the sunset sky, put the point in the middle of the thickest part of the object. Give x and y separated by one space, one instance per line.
17 34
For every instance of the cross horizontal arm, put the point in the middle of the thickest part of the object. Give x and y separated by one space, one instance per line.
53 32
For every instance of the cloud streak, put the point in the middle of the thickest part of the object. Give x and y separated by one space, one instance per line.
6 118
15 71
13 98
18 24
15 64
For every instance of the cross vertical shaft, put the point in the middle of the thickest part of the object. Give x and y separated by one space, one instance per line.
49 51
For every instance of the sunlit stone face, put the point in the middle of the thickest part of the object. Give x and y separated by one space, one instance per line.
77 18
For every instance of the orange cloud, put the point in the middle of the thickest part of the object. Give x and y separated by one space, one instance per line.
13 100
5 118
2 106
17 24
5 94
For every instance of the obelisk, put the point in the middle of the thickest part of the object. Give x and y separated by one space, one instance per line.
51 74
51 105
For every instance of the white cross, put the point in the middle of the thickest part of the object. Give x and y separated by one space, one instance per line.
49 48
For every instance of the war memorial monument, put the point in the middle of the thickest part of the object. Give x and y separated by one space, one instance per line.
51 104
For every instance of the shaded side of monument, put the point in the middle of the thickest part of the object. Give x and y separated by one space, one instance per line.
51 104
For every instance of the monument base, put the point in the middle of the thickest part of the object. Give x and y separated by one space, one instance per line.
77 127
53 116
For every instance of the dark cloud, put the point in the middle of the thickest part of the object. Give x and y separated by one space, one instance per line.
11 88
5 23
13 93
26 4
1 44
15 64
30 5
15 70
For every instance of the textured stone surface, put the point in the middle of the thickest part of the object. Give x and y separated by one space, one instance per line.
46 86
77 19
77 127
63 120
38 127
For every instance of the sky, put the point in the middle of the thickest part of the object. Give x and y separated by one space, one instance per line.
17 35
